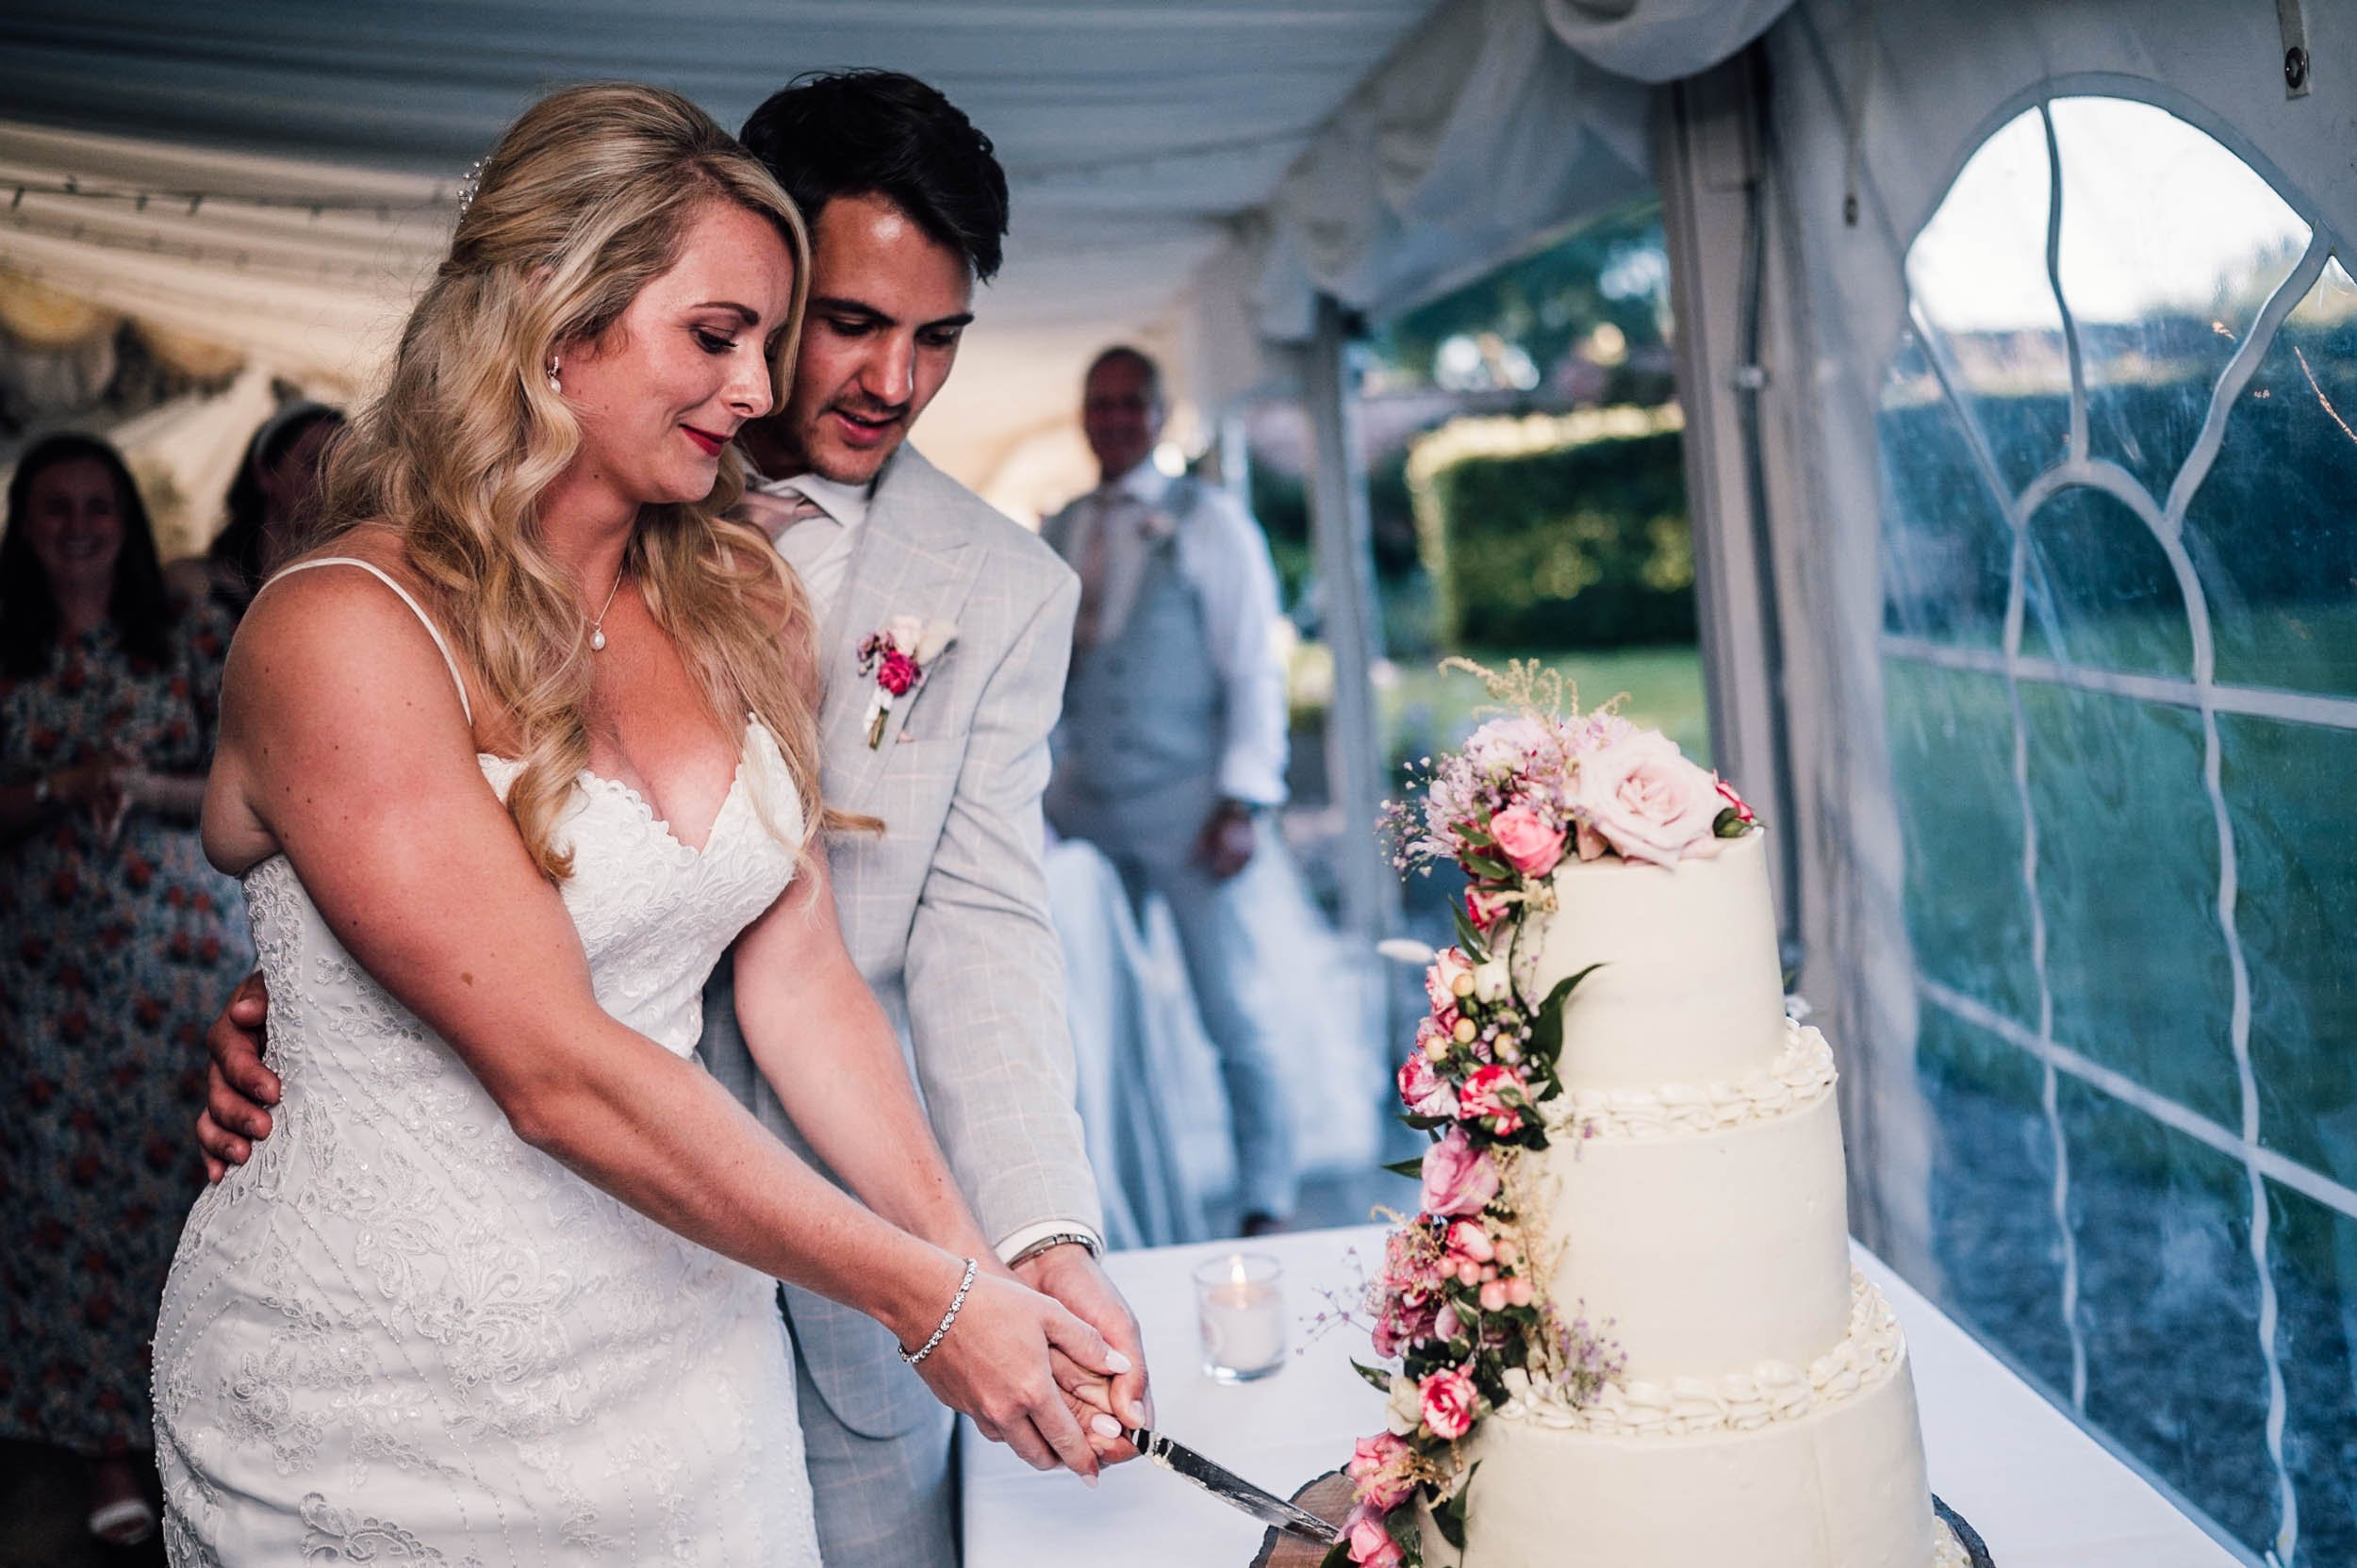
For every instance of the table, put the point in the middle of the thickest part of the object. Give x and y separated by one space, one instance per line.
2042 1492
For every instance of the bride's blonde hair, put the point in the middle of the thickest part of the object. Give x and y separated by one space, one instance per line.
586 199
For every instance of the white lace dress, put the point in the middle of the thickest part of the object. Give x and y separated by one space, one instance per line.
401 1334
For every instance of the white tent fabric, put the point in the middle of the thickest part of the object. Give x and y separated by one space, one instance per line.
1187 173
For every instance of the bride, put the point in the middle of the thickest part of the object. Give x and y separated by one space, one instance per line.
505 774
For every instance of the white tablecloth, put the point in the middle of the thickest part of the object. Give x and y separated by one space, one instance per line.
2042 1492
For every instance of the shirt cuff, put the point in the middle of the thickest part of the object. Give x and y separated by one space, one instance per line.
1252 780
1016 1241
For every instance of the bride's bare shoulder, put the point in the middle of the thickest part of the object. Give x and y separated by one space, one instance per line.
323 632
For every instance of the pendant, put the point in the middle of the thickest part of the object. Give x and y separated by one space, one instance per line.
596 640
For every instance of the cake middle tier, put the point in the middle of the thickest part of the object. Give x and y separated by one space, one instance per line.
1711 1251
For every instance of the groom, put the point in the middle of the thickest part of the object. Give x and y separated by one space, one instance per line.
946 911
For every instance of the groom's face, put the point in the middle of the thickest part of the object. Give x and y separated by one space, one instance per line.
888 305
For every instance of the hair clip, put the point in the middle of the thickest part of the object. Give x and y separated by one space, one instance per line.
467 187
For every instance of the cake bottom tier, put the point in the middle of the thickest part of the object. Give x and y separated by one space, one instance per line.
1839 1486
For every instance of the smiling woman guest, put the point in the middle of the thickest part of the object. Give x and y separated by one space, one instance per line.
115 942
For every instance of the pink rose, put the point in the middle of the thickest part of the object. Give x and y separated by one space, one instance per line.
1448 1403
1592 844
1370 1543
1494 1095
1381 1466
1647 800
1484 905
1450 967
1421 1088
1528 843
1458 1179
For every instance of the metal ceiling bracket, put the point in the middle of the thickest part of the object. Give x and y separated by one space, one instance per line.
2292 19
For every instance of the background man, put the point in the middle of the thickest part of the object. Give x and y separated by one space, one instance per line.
947 912
1173 735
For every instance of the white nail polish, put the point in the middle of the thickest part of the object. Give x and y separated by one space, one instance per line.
1116 1363
1104 1426
1139 1417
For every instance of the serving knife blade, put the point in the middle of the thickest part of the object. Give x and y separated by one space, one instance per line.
1231 1488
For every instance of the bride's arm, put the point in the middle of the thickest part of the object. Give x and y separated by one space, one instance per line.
344 744
825 1046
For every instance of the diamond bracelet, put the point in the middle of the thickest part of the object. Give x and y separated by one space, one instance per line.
913 1357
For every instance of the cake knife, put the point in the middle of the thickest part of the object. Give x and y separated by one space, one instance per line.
1231 1488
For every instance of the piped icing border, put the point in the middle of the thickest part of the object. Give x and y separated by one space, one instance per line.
1802 1074
1773 1392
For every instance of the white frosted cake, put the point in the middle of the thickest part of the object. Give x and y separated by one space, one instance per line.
1625 1330
1692 1180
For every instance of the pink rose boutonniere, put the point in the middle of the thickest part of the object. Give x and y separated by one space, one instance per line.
898 657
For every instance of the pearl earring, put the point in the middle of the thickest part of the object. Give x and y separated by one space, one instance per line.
555 385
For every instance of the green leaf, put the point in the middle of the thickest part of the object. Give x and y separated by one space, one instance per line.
1469 938
1413 1169
1488 868
1546 1032
1338 1555
1376 1376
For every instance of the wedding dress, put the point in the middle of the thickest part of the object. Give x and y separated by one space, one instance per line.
399 1333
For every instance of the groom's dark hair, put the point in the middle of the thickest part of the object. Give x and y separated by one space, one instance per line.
859 133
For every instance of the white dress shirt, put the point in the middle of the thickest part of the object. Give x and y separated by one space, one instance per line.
819 550
1223 556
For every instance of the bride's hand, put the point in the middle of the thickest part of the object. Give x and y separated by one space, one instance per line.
994 1364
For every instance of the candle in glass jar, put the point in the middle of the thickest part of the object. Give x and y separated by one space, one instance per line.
1240 1302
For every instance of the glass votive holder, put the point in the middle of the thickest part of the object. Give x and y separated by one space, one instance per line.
1240 1304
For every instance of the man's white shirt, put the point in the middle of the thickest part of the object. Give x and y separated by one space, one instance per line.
819 550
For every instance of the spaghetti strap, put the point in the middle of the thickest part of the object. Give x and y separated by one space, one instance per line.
415 609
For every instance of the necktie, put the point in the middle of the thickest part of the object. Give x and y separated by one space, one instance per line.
775 512
1095 566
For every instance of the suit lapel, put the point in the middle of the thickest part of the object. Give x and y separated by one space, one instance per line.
902 564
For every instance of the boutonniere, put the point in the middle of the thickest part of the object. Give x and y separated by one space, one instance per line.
898 657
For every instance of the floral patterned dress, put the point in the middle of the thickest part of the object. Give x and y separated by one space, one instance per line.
113 958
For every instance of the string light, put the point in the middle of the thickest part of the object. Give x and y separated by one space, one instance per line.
316 205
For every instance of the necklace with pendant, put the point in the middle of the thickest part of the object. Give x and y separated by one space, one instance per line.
597 625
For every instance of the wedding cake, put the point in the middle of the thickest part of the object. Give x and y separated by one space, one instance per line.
1626 1324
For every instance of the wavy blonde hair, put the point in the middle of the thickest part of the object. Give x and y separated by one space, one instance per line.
585 199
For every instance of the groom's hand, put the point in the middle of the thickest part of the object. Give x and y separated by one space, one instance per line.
1072 1277
237 1085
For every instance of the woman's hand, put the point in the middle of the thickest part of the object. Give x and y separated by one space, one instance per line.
994 1364
94 788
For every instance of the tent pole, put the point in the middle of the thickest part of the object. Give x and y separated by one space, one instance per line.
1345 554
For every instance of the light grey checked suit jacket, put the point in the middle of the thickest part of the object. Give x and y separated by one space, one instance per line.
947 913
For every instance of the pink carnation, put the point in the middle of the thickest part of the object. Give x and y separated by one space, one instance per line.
1458 1179
1494 1095
896 673
1528 843
1483 905
1448 1403
1468 1241
1380 1464
1421 1088
1449 966
1647 800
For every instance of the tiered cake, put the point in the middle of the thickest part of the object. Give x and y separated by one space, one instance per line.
1692 1180
1625 1328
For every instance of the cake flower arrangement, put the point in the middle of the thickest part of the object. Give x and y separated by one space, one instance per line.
1460 1305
